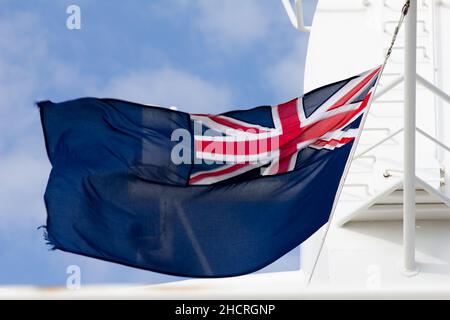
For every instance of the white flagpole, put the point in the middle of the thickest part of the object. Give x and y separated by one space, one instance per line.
409 155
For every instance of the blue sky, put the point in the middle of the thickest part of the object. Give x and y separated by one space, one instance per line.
199 55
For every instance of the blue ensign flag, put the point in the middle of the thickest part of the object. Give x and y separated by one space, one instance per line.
196 194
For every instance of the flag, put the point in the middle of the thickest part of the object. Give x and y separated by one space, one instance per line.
198 195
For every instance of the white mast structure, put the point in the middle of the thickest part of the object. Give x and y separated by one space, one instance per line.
296 15
409 152
410 78
349 32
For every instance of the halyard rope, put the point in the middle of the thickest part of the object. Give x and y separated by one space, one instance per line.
403 14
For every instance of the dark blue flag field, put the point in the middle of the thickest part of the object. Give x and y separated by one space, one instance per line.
196 194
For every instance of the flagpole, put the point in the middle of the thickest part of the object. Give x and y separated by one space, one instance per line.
409 155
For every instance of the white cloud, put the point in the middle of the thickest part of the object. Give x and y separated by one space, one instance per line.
233 22
28 68
24 167
23 179
227 25
286 76
169 87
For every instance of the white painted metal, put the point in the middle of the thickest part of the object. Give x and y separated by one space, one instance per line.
387 212
296 16
330 23
437 79
431 138
283 285
409 155
389 137
438 92
389 87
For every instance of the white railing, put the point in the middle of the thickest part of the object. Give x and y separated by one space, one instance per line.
296 15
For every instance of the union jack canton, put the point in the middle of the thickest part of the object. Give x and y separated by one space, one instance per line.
267 140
